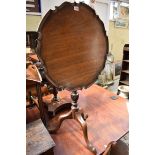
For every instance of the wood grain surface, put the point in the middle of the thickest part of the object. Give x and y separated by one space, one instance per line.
72 45
107 121
38 140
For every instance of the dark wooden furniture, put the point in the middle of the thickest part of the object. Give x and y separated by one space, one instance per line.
30 93
34 88
31 39
32 76
38 140
108 121
124 77
72 47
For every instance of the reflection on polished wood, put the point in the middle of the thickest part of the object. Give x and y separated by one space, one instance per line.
107 121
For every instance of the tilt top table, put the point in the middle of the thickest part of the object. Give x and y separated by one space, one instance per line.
72 47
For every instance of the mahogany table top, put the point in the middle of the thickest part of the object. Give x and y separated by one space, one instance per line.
108 121
73 45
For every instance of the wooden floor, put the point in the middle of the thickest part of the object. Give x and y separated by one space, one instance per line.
107 121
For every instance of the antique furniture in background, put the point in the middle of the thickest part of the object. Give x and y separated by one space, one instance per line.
31 37
124 78
33 89
72 47
33 78
123 88
31 57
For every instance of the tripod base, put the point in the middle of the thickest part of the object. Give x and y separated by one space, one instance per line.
66 110
55 123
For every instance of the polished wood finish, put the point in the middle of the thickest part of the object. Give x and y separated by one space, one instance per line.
72 45
74 113
55 104
107 121
38 140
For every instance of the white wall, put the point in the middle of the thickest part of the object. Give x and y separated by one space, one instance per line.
102 8
46 5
